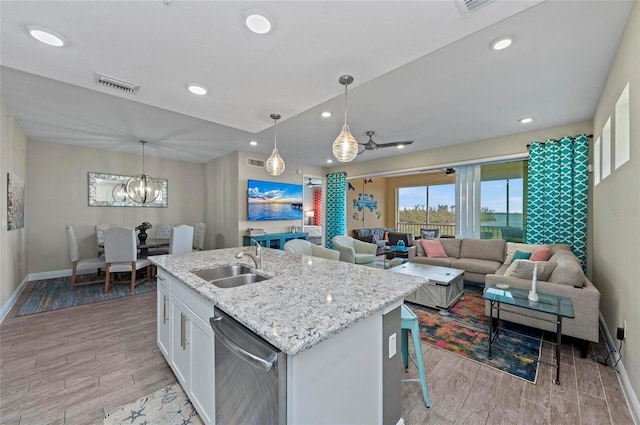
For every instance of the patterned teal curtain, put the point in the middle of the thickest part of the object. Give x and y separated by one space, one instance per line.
558 189
336 206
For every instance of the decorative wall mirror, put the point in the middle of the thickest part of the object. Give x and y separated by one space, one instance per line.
107 190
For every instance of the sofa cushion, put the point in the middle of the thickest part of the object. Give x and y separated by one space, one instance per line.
568 271
474 265
541 254
502 270
483 249
451 246
512 247
524 269
442 262
433 248
519 255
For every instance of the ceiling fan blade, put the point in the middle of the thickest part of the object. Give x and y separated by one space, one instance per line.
390 144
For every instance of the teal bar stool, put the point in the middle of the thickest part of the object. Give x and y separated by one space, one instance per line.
409 322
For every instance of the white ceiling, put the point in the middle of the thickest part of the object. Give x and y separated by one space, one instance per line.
423 71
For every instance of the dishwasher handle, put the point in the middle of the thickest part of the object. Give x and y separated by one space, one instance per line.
252 359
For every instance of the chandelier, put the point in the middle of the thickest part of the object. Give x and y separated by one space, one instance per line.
142 189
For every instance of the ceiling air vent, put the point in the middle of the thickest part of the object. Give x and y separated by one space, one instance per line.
468 6
117 83
255 162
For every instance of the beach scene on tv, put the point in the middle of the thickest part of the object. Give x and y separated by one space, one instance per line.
274 201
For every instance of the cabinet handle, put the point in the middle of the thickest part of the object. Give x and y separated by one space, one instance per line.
164 310
183 336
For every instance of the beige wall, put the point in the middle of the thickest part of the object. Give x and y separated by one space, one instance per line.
616 208
222 206
13 248
227 195
57 196
366 219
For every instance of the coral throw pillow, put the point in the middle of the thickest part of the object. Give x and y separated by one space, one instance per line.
541 254
433 248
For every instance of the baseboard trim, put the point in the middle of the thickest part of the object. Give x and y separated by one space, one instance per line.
32 276
13 298
629 394
50 274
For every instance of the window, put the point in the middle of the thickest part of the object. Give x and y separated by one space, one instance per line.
606 150
596 162
430 207
622 130
502 201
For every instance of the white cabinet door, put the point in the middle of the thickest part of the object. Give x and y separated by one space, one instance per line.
202 385
163 319
180 356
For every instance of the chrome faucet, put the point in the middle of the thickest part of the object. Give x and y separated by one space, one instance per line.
257 258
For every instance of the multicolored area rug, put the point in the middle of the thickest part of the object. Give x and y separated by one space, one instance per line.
465 331
166 406
54 294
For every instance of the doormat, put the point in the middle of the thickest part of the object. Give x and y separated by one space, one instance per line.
167 406
54 294
465 331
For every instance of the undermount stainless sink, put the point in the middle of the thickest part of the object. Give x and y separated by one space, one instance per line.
230 276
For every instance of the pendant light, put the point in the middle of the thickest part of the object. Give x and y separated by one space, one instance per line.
345 147
275 164
143 189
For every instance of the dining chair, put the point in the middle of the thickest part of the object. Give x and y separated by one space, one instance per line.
78 264
100 237
163 231
181 239
198 236
120 255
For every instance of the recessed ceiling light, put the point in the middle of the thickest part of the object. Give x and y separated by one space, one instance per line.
46 36
329 161
197 89
502 42
400 146
253 143
525 120
326 114
257 21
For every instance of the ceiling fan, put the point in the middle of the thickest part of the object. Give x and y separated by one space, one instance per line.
371 145
312 183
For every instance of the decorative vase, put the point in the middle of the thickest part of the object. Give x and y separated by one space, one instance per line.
142 236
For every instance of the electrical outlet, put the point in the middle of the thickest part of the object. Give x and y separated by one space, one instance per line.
620 334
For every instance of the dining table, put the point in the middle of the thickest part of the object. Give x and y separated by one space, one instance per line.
149 243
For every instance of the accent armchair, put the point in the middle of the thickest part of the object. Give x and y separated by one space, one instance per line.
300 246
355 251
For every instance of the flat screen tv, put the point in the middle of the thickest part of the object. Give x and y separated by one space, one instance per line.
273 201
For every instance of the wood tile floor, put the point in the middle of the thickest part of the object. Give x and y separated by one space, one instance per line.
72 366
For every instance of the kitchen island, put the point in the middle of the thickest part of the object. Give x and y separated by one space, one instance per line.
337 323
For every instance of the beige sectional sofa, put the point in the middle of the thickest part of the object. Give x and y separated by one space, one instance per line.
489 262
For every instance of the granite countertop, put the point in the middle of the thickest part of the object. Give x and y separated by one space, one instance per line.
307 299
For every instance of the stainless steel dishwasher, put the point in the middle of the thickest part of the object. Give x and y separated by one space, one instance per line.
251 375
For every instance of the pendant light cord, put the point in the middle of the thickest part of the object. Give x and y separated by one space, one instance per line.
275 133
346 103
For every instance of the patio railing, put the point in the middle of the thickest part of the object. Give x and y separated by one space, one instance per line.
486 232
